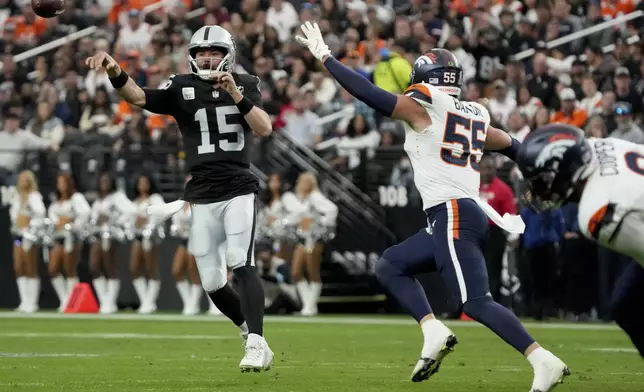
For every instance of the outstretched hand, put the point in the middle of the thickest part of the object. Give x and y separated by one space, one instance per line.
313 40
103 60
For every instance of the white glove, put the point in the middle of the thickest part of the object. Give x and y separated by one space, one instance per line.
313 40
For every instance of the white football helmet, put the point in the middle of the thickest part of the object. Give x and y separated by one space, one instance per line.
212 37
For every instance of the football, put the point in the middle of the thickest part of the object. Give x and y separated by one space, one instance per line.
48 8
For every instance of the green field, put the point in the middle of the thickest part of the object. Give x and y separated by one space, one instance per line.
50 352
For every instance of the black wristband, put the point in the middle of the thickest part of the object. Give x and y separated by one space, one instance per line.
245 106
120 80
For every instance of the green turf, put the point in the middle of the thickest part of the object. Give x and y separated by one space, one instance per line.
203 356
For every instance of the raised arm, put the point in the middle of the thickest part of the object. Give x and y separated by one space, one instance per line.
399 107
154 100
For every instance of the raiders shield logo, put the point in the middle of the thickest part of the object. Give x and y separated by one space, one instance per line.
215 94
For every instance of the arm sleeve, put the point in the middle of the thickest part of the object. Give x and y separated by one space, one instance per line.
162 100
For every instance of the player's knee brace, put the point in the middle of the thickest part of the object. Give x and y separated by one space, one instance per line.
212 278
236 257
477 307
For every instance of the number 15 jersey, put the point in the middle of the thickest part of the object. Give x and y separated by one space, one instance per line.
445 156
216 137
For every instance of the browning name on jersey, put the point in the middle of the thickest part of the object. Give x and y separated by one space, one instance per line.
215 134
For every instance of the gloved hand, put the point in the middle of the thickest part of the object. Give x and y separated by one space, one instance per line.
313 40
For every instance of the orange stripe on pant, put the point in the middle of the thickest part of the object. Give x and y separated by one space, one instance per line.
455 217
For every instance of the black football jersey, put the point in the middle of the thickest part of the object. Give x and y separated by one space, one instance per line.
216 137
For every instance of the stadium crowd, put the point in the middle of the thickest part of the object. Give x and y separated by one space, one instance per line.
51 102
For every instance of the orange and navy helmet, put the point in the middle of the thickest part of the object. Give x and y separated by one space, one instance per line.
553 160
440 68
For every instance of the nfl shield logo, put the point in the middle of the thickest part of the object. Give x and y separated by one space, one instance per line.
215 94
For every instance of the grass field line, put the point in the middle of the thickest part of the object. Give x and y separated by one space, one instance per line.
93 335
47 355
352 320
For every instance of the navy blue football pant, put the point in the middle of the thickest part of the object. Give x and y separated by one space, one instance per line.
453 245
628 297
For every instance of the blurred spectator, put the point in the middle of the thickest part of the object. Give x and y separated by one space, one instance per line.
528 105
47 126
14 143
281 15
391 72
324 88
592 98
625 92
501 104
135 35
570 113
517 126
301 124
626 127
596 127
359 137
542 235
540 84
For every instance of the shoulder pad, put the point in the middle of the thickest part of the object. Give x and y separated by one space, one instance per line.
249 80
420 92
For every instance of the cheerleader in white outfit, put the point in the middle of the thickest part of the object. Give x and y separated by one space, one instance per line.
310 208
70 214
184 264
27 212
272 212
143 257
110 212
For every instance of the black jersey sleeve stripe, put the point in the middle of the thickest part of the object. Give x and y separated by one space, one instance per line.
206 33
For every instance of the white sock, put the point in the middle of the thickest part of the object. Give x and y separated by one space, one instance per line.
141 288
304 290
537 356
244 328
184 293
113 290
196 291
58 282
22 289
100 285
154 286
33 285
316 290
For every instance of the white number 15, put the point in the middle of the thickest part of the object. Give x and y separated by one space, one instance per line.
223 127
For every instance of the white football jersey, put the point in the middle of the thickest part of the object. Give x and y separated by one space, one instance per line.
613 192
445 156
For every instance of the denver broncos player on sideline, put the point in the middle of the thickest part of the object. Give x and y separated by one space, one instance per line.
606 177
217 110
445 141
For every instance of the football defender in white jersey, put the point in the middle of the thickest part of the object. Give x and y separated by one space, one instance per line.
445 141
606 177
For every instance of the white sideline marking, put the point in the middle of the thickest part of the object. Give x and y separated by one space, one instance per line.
613 349
92 335
46 355
293 320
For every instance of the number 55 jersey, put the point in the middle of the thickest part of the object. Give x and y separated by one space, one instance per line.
216 137
446 155
611 208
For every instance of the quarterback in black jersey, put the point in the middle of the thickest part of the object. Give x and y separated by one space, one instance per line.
217 110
